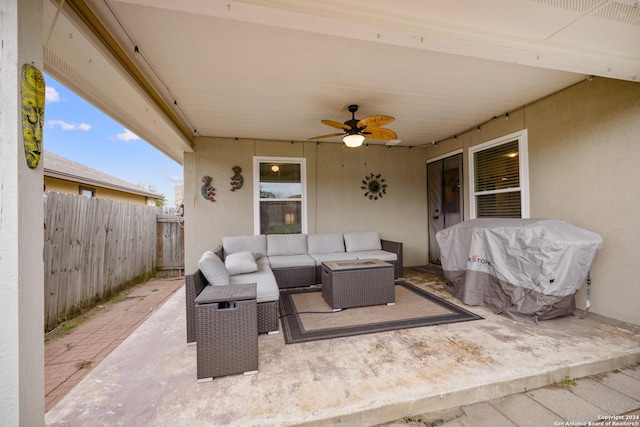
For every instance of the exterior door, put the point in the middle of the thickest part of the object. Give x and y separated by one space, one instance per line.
444 199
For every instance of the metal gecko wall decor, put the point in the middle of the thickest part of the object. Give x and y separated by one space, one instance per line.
375 186
207 190
236 180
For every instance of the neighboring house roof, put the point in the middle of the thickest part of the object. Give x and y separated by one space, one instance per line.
56 166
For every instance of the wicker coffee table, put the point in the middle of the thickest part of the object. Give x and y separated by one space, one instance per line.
226 331
358 283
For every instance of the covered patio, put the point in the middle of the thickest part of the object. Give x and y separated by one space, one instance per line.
218 84
362 380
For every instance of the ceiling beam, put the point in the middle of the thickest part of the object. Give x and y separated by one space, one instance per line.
86 15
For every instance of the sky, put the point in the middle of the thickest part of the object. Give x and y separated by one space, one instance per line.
80 132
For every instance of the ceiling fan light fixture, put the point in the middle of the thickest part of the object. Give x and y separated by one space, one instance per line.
353 131
353 140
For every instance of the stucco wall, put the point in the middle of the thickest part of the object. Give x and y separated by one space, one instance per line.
335 200
584 147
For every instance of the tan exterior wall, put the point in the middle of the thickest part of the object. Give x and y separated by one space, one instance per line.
584 166
584 147
63 186
335 200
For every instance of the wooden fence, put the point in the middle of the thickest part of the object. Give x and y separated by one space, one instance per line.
93 248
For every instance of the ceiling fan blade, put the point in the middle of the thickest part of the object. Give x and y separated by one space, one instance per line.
336 125
375 121
379 133
326 136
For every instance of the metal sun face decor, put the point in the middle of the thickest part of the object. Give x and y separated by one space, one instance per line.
375 186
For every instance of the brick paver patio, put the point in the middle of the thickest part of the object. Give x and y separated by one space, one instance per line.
70 357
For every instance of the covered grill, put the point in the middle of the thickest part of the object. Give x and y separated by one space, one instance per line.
527 269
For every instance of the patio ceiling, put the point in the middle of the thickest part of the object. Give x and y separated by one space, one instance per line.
266 69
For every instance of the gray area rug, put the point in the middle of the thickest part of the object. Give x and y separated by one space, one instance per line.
305 315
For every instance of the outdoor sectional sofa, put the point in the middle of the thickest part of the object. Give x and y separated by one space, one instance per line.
277 261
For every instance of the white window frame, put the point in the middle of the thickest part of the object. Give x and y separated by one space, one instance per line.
256 188
523 160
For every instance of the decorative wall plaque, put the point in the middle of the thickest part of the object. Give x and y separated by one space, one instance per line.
374 186
236 180
207 190
32 94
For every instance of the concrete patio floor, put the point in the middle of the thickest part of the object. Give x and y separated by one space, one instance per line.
150 379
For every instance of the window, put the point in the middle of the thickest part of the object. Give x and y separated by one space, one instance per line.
87 191
279 194
499 178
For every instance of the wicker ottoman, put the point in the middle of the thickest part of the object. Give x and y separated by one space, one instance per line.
358 283
226 331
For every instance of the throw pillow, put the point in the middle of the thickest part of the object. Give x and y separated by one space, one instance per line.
213 269
240 263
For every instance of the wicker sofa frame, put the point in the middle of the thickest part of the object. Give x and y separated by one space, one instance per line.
396 248
295 277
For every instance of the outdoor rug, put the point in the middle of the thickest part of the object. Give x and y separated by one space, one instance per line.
306 316
434 270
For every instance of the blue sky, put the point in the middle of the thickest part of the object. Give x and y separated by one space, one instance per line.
80 132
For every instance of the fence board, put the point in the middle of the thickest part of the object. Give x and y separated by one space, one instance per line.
66 284
50 294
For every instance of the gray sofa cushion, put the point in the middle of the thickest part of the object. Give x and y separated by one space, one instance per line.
284 261
325 243
286 244
213 269
363 241
256 244
334 256
266 285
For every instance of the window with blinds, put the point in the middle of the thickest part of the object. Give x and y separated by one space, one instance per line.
499 183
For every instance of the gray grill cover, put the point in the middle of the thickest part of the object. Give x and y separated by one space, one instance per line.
527 269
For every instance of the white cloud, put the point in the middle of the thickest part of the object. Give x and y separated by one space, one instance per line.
69 126
175 178
127 135
51 94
